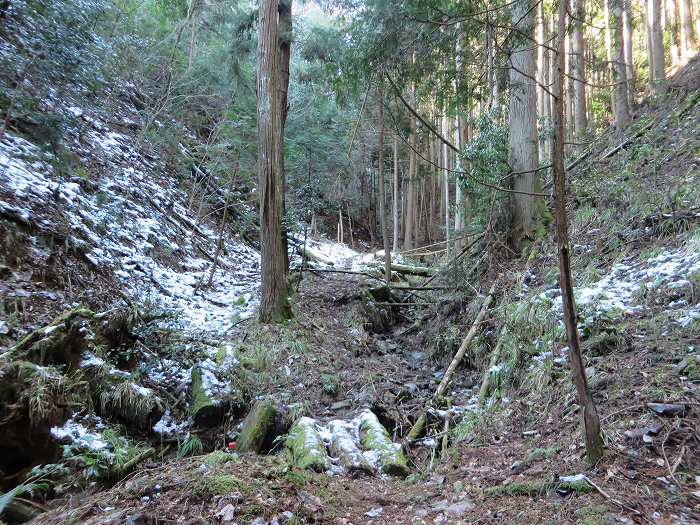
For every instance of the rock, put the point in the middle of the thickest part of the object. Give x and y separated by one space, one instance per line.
4 328
141 518
311 504
257 427
642 434
667 409
306 447
227 513
374 513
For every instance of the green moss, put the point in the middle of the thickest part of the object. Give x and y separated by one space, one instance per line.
205 410
257 426
374 436
219 457
305 446
222 484
592 515
538 488
539 454
331 384
298 478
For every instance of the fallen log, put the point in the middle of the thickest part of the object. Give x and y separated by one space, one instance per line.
314 255
344 448
418 426
373 436
422 271
305 446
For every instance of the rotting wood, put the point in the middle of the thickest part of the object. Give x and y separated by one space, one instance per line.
418 426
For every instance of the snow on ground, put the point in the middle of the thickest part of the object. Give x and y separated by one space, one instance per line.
130 220
665 276
84 433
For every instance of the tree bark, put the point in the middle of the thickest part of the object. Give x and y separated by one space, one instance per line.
446 177
523 126
409 216
382 193
608 51
274 305
578 72
622 112
629 58
688 46
395 203
591 422
657 72
284 9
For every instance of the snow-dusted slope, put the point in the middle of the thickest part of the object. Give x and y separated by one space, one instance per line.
126 214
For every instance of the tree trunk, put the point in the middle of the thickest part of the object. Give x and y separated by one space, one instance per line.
591 422
284 9
629 58
608 51
395 203
674 29
622 114
446 176
578 72
657 76
688 46
409 230
382 193
274 305
523 126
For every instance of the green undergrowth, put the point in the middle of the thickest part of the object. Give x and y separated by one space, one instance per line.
535 489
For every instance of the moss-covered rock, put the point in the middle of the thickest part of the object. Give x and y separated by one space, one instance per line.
305 446
374 436
257 427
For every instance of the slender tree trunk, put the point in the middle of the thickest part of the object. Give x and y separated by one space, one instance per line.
578 72
674 28
608 52
445 160
274 305
656 49
395 203
622 113
523 126
411 190
591 422
688 45
629 58
382 193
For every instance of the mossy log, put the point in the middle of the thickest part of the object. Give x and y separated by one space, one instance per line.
344 448
305 446
535 489
422 271
205 410
374 436
61 342
257 427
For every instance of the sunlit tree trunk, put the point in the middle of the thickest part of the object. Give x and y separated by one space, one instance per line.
657 76
578 72
523 126
628 44
608 51
674 29
622 114
688 43
274 305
